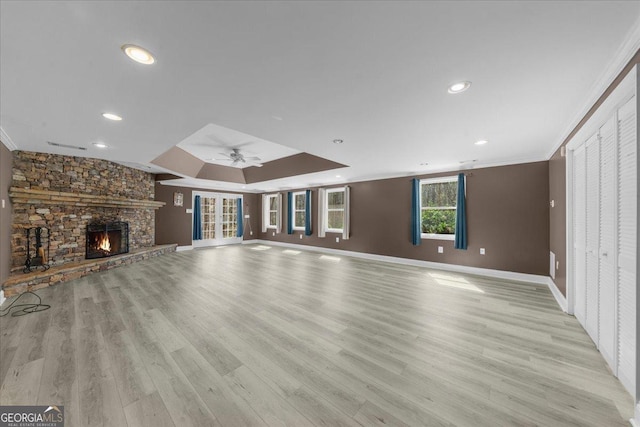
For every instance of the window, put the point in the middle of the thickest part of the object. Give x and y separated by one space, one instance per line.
334 209
438 197
272 211
298 210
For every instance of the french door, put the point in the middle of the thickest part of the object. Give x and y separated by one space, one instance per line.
219 216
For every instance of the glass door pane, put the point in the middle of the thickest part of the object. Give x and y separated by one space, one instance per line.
208 211
229 218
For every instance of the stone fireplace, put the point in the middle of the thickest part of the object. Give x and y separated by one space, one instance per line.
107 239
66 194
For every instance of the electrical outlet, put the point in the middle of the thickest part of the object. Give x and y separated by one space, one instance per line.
557 265
247 216
337 239
189 210
553 203
440 249
301 236
481 251
2 203
251 233
273 233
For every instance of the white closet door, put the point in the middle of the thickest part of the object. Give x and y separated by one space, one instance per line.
579 232
627 211
607 284
593 240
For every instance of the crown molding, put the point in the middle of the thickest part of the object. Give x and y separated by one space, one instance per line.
621 59
7 141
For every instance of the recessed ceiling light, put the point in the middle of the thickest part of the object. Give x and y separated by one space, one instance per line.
100 144
481 142
112 116
138 54
337 176
338 141
459 87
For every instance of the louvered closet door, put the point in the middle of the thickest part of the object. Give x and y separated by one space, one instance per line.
579 232
592 237
626 207
607 275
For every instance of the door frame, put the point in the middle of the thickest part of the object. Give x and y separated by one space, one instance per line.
204 243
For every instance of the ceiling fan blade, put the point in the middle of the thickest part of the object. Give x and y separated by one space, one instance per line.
244 144
218 141
226 156
252 158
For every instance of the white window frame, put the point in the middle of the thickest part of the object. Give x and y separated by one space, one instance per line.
294 210
326 209
267 210
438 180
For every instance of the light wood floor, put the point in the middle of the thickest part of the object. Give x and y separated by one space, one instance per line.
239 336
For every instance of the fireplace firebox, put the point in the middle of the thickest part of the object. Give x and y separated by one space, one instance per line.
107 239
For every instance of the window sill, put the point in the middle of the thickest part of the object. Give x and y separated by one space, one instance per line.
438 236
298 228
334 230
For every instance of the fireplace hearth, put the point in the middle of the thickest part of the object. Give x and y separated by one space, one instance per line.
107 239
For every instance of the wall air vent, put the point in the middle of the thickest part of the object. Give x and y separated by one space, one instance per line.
55 144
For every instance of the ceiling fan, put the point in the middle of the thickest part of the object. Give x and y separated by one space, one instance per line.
236 158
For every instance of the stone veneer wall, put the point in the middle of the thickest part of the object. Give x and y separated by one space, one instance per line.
67 222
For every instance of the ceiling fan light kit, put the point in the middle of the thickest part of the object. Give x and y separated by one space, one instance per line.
236 157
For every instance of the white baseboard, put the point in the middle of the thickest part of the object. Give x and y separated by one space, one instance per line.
487 272
2 298
635 421
184 248
560 299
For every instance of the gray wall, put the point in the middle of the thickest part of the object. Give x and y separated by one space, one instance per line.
507 211
6 162
558 218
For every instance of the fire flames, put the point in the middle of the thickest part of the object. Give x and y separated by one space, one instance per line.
104 243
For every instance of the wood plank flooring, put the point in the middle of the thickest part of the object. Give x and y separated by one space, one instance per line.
238 336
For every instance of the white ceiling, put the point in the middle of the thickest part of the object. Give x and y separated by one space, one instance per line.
301 74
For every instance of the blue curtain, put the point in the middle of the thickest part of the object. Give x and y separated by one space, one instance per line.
307 213
197 219
289 212
461 216
416 226
240 219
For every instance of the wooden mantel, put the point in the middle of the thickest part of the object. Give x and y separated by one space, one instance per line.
46 197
